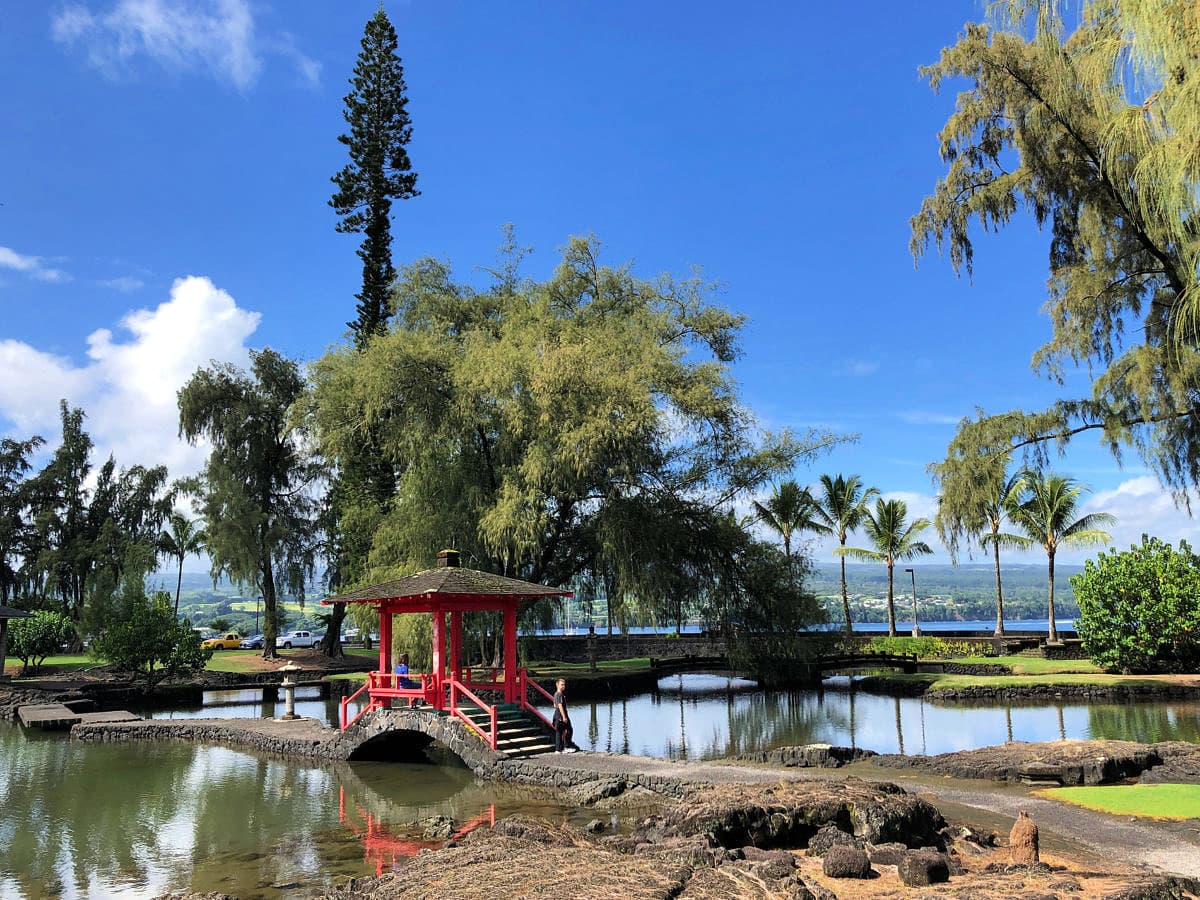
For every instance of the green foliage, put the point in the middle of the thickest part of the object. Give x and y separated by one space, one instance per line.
1045 510
975 496
413 634
843 507
84 527
259 515
149 642
44 634
893 539
1139 610
924 647
182 540
379 169
767 616
585 425
220 624
789 510
17 532
1093 131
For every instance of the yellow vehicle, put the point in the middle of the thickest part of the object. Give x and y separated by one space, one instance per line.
230 640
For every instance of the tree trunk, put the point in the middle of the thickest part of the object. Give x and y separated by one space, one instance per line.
846 596
1052 637
899 728
891 604
3 645
178 587
999 592
269 627
331 646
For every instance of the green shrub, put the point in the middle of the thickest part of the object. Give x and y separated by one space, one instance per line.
924 647
1139 610
32 640
150 643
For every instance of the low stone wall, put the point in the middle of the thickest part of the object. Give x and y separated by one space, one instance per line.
580 648
808 756
531 772
305 739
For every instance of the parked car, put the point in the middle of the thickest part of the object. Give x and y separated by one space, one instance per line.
254 642
230 640
297 639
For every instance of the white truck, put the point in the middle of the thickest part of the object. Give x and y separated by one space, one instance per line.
297 639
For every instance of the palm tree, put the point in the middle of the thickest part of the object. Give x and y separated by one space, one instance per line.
842 507
789 510
183 540
1045 510
894 539
995 509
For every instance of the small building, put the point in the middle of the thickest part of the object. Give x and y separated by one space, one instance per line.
445 593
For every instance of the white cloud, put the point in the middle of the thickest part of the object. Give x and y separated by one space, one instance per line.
126 284
1143 507
128 386
33 266
216 36
858 368
920 417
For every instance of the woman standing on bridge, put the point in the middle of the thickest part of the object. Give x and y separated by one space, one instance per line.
563 732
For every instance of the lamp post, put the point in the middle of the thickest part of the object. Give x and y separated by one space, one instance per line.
916 632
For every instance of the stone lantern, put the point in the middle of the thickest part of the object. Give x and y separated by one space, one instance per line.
289 693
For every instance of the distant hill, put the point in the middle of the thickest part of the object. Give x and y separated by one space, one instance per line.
962 592
201 602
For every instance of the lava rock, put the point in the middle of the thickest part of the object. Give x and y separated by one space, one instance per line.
922 868
886 854
828 837
846 862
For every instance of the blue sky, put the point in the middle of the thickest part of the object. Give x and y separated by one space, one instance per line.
165 178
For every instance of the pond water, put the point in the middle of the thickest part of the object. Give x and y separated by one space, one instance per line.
709 716
136 820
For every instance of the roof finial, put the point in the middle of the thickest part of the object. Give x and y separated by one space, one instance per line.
447 559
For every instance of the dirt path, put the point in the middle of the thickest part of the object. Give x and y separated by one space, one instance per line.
1172 847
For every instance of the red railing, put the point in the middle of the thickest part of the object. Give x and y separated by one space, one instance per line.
523 683
457 688
346 701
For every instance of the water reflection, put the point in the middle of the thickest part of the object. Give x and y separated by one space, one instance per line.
97 820
707 716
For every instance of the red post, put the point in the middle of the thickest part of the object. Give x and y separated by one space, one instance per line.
456 643
385 638
510 652
439 658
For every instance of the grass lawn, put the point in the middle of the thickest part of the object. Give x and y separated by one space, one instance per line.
55 665
1154 801
1032 665
954 682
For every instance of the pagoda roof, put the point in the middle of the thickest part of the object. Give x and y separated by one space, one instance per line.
8 612
449 583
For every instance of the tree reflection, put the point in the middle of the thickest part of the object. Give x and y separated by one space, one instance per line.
1148 722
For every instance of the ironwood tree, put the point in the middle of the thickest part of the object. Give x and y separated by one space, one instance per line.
255 491
587 423
1092 129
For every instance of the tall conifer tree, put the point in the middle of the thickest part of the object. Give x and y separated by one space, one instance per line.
379 170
